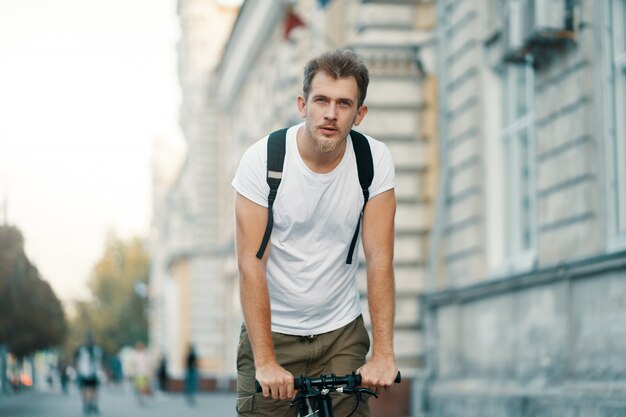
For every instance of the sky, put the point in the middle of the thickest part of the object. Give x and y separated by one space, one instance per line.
86 87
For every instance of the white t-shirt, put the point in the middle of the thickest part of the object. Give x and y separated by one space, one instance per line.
88 361
312 289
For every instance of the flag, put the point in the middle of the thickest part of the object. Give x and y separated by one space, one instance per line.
292 21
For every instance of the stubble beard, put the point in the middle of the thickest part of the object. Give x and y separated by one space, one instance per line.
326 145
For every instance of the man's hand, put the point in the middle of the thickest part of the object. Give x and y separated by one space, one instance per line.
378 372
275 381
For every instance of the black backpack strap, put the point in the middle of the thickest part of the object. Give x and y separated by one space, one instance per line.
365 167
275 160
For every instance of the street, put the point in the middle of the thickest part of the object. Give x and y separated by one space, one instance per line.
116 404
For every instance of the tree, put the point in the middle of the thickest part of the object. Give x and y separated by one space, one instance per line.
116 313
31 316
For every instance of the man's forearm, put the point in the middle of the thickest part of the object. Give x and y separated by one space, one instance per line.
381 300
256 311
378 241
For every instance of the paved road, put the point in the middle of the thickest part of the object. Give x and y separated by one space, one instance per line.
116 404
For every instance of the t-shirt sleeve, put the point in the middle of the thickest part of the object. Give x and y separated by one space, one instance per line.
384 169
250 178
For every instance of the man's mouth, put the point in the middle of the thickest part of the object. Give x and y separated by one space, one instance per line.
328 130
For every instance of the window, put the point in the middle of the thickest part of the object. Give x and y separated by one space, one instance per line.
517 138
616 149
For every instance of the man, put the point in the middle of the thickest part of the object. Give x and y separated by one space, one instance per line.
141 370
88 361
300 301
191 375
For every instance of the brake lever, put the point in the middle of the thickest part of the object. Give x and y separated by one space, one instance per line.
355 390
306 395
299 397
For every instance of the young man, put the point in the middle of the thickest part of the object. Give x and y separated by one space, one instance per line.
191 375
300 301
88 361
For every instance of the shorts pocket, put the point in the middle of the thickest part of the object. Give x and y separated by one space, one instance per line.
245 404
245 358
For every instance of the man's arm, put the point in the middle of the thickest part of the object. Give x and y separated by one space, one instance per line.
251 220
378 240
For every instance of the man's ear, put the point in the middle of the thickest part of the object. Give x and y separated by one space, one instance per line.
360 114
302 106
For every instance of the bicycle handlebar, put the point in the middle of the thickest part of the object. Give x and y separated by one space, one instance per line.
328 381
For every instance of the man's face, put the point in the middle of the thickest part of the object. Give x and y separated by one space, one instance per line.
331 110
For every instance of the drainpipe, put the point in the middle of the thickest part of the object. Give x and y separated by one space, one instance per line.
429 315
442 189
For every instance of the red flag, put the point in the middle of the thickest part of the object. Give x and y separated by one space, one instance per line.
292 21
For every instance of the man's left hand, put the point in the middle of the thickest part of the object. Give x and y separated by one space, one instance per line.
378 372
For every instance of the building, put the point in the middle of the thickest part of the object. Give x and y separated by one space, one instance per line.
190 302
506 121
524 313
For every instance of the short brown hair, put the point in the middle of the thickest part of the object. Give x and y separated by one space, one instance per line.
340 63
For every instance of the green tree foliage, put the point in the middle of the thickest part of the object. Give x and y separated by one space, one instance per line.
31 316
117 311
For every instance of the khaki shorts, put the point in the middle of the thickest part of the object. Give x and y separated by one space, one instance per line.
340 351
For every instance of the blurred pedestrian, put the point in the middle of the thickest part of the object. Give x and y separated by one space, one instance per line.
64 377
191 375
50 376
88 361
141 370
117 373
162 373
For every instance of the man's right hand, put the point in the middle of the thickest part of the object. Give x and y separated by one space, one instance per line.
275 381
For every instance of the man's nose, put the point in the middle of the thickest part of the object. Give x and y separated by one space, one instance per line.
331 112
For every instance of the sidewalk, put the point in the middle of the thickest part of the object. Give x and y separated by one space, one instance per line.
116 404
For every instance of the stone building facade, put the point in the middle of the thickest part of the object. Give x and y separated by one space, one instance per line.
524 312
190 303
506 120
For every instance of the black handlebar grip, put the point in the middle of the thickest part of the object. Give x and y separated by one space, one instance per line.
397 380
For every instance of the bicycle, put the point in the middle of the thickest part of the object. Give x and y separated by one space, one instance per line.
319 388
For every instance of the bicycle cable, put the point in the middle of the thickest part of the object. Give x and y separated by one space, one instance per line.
356 405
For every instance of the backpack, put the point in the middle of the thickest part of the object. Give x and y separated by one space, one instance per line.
275 161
